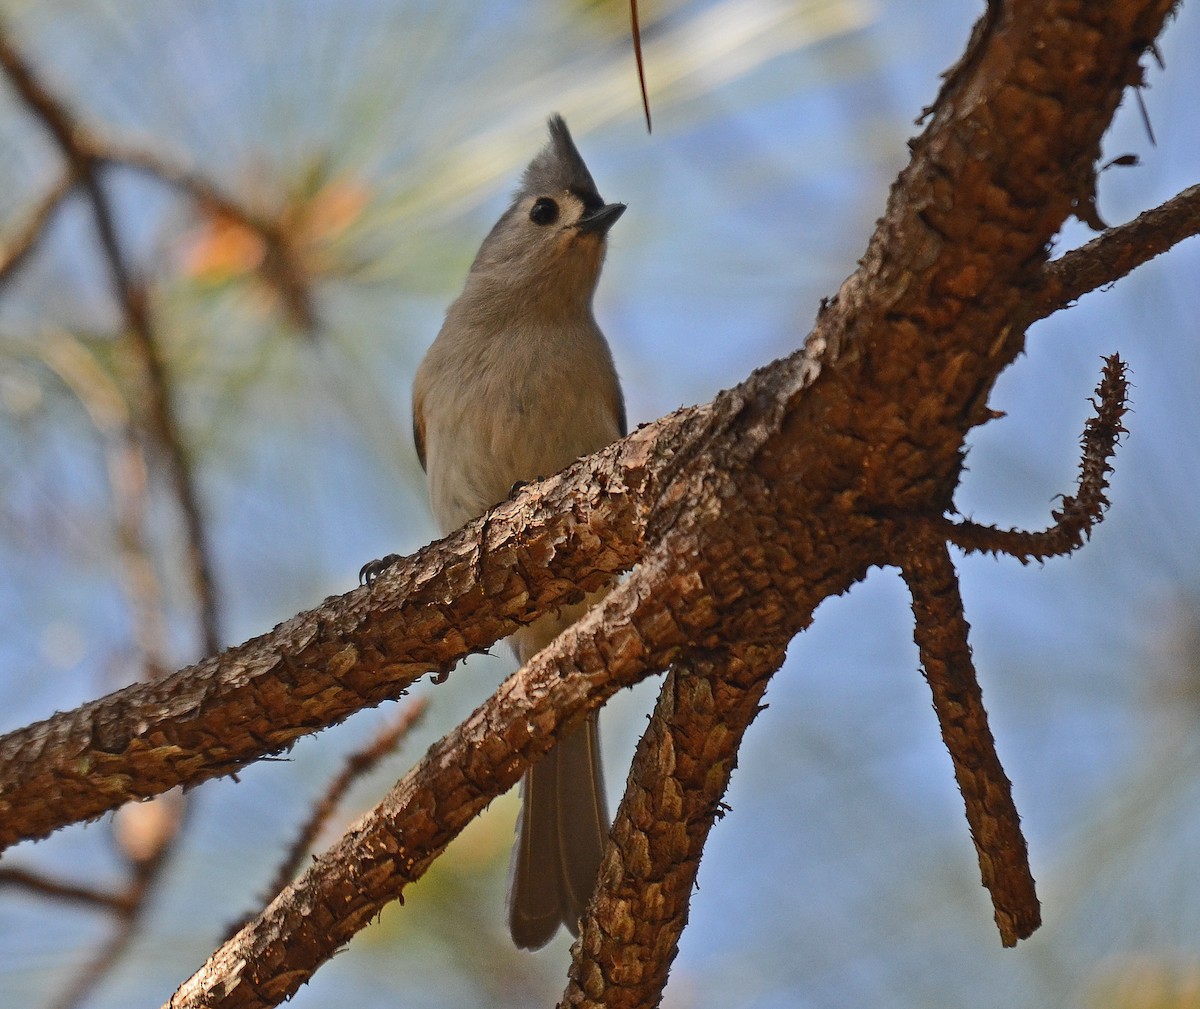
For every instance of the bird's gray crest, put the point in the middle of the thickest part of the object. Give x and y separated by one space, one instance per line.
559 166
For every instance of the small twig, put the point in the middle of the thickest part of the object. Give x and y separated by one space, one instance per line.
17 249
1113 254
357 765
941 635
1079 514
57 889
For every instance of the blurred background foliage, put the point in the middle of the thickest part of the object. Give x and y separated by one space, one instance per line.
383 137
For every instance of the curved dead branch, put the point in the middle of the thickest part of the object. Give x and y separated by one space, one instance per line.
1080 512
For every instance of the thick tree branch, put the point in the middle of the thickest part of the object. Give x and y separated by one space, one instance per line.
452 598
878 427
43 754
941 635
930 318
679 777
666 609
385 851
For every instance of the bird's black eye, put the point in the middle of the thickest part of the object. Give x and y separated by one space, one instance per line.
544 211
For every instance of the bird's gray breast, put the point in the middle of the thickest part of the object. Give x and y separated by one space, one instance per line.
522 405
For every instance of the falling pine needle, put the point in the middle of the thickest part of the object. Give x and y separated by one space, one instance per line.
637 54
1137 91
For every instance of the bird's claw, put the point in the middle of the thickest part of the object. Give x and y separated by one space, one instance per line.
370 572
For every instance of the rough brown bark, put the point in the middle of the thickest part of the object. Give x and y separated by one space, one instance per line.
643 625
941 636
1115 253
454 597
348 885
679 777
742 515
186 729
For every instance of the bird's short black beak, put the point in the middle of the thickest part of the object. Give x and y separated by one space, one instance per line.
599 221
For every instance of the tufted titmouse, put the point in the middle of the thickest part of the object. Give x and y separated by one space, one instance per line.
518 384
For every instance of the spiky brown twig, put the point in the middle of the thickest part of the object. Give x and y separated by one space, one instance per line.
1080 512
942 636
